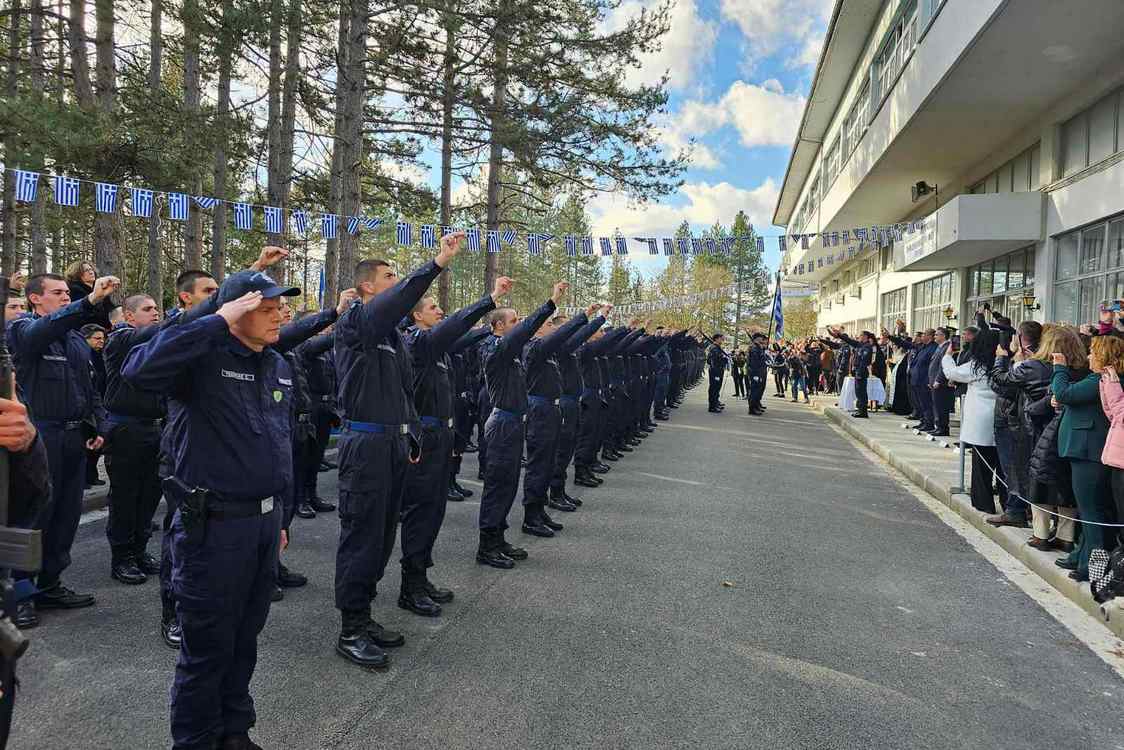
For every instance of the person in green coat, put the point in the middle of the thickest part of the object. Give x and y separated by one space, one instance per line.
1081 439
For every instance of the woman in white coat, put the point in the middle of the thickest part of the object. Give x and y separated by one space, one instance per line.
977 423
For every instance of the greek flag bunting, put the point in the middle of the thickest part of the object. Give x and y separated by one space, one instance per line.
536 240
243 216
428 235
105 198
708 243
651 242
273 222
860 236
204 202
142 202
696 246
27 186
446 230
403 232
606 246
760 244
371 224
177 206
66 191
492 240
622 246
329 226
353 225
300 221
668 246
571 244
587 246
509 236
472 235
684 246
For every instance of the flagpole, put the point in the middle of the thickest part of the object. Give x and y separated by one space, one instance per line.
773 307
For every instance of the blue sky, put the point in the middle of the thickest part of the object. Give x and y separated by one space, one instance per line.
739 72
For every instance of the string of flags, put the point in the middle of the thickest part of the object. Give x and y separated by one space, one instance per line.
144 203
668 303
856 240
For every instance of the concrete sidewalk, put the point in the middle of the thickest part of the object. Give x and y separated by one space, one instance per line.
934 466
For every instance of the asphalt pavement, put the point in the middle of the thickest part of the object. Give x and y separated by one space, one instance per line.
738 582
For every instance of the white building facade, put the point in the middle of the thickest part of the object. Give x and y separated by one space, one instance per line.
1013 111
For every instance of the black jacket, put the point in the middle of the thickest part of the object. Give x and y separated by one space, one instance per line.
1018 388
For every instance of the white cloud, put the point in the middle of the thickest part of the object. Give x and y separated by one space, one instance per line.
778 26
702 204
684 49
763 115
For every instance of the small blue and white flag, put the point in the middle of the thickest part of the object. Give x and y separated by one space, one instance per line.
606 246
587 246
622 246
825 239
535 241
492 237
570 242
845 238
724 245
404 233
472 239
668 246
696 246
329 226
835 239
177 206
27 186
819 263
243 216
273 222
300 220
760 244
371 223
804 241
509 236
105 198
66 191
142 202
428 235
708 243
653 245
860 235
205 202
780 243
353 225
684 245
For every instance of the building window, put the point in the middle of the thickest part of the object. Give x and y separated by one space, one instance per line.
831 165
1002 282
893 308
1089 269
1092 135
1019 175
930 298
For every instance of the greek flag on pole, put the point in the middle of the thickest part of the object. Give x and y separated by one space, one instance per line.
508 237
243 215
300 221
622 246
404 233
668 246
571 243
472 236
273 223
66 191
353 225
177 206
204 202
27 186
492 237
587 246
371 224
329 226
142 202
429 235
105 198
778 312
606 246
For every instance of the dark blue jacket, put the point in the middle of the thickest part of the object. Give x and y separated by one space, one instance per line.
919 368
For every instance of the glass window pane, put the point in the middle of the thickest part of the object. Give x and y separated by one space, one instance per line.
1004 177
1091 295
946 288
1092 248
973 273
1021 173
1065 302
985 279
1035 158
1102 129
1015 271
993 183
1115 254
1068 245
1074 141
999 277
1114 287
1030 258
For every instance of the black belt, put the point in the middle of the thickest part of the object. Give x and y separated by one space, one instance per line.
126 419
225 510
64 424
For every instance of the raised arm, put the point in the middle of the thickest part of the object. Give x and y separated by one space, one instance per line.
31 337
1084 391
444 334
470 339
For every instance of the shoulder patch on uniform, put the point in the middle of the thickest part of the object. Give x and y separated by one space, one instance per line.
235 375
284 381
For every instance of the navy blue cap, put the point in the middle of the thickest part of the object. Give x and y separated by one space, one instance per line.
244 282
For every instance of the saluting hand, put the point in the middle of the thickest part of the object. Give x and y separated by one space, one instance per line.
236 308
559 292
17 432
606 308
104 287
592 309
450 246
347 296
502 288
270 255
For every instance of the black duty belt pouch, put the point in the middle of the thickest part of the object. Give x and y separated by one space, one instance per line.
192 502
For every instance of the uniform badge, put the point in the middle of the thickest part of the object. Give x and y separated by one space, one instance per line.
277 396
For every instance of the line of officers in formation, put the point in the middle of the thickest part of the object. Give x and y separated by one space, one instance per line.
225 408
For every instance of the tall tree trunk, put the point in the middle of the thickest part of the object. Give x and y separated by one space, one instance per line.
331 246
448 97
273 112
107 256
8 225
226 61
38 262
193 234
356 88
155 283
289 108
495 144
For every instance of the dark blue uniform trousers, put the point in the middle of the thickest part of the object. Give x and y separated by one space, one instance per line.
504 435
543 423
423 503
923 403
659 397
133 463
483 414
372 478
322 418
715 389
756 389
222 589
567 442
66 459
589 430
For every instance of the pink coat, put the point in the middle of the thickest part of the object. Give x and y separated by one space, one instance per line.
1112 401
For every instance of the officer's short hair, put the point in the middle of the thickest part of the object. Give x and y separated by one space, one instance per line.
132 304
90 329
185 282
365 268
499 315
35 283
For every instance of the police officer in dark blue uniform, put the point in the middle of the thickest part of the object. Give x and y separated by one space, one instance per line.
587 464
319 364
52 363
484 350
716 360
757 368
231 459
465 352
376 384
504 431
861 358
427 481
